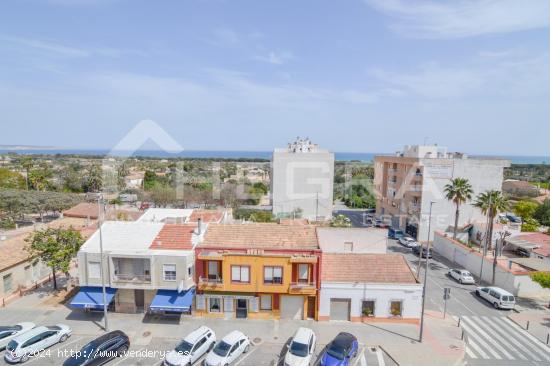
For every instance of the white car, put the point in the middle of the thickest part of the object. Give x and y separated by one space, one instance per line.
228 349
301 348
462 276
7 333
30 343
408 242
501 299
191 348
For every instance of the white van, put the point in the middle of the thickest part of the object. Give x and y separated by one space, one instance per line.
501 299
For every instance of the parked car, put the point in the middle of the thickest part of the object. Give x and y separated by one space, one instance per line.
408 242
228 349
523 252
101 350
501 299
301 348
195 345
514 219
462 276
7 333
381 224
340 351
20 348
425 251
395 233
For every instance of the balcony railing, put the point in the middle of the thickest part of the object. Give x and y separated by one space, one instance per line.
210 281
301 285
134 278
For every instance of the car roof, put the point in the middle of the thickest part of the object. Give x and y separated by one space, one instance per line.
8 328
500 291
31 333
302 335
233 337
107 336
344 340
196 334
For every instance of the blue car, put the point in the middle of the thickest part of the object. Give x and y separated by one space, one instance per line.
340 351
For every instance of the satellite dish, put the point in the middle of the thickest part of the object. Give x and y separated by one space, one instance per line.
181 287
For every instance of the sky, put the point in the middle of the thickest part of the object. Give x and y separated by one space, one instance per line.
352 75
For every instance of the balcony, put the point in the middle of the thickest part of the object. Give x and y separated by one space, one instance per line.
210 284
303 288
132 278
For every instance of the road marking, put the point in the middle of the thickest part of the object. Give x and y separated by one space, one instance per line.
503 336
473 334
477 349
470 353
246 356
124 358
362 353
544 351
471 322
380 357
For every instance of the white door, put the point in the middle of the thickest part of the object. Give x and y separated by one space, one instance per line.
339 309
199 349
292 307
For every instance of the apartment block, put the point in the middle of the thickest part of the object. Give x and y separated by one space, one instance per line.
302 181
258 271
406 183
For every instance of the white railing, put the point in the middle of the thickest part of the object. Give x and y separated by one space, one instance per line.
123 277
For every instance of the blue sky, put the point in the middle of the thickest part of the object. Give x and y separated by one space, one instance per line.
353 75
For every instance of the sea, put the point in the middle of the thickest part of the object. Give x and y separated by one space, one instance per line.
236 155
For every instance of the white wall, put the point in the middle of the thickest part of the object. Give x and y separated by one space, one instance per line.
518 284
411 295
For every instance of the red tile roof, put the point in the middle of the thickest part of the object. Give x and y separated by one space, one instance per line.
261 236
369 268
174 236
540 239
207 216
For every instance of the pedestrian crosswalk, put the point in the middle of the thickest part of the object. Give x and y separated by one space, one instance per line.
499 338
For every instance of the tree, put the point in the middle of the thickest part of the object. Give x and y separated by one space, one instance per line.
94 178
27 163
542 278
122 173
530 225
11 180
149 180
162 195
459 190
39 177
525 209
55 247
542 213
341 221
71 178
491 203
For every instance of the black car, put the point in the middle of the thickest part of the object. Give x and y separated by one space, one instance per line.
101 350
425 251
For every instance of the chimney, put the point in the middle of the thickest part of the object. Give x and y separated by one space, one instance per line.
199 226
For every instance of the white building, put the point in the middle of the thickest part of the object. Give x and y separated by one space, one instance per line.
363 287
352 240
302 181
407 182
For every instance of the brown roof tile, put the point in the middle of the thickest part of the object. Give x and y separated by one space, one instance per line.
207 216
261 235
369 268
174 236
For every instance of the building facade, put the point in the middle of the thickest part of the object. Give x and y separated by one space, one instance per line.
408 181
261 271
302 181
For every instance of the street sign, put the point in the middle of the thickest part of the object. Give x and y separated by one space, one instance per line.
446 293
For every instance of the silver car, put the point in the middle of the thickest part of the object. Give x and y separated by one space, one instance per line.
7 333
408 242
31 343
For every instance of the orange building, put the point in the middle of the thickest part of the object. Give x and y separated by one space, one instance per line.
261 271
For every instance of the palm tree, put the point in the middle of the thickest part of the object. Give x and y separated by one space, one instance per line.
491 203
459 190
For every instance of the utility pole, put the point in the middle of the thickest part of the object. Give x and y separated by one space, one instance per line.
100 222
425 274
487 241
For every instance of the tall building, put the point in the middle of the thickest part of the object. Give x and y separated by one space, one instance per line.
302 181
406 183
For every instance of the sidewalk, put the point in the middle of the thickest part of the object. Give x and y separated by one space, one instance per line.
537 323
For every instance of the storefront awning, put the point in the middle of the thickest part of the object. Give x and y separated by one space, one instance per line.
89 297
173 301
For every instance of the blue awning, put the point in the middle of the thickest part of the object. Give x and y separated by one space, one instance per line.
92 297
173 301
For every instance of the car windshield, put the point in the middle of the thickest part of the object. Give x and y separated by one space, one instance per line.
337 352
298 349
222 349
184 347
12 346
81 356
466 273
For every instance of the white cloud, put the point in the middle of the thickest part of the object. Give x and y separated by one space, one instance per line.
275 58
463 18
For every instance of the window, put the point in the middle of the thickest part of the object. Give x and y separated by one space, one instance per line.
367 308
94 270
7 283
266 302
213 272
169 271
214 304
190 271
273 275
303 273
240 274
396 308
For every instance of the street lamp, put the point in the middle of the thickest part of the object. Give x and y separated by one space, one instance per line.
425 273
100 222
